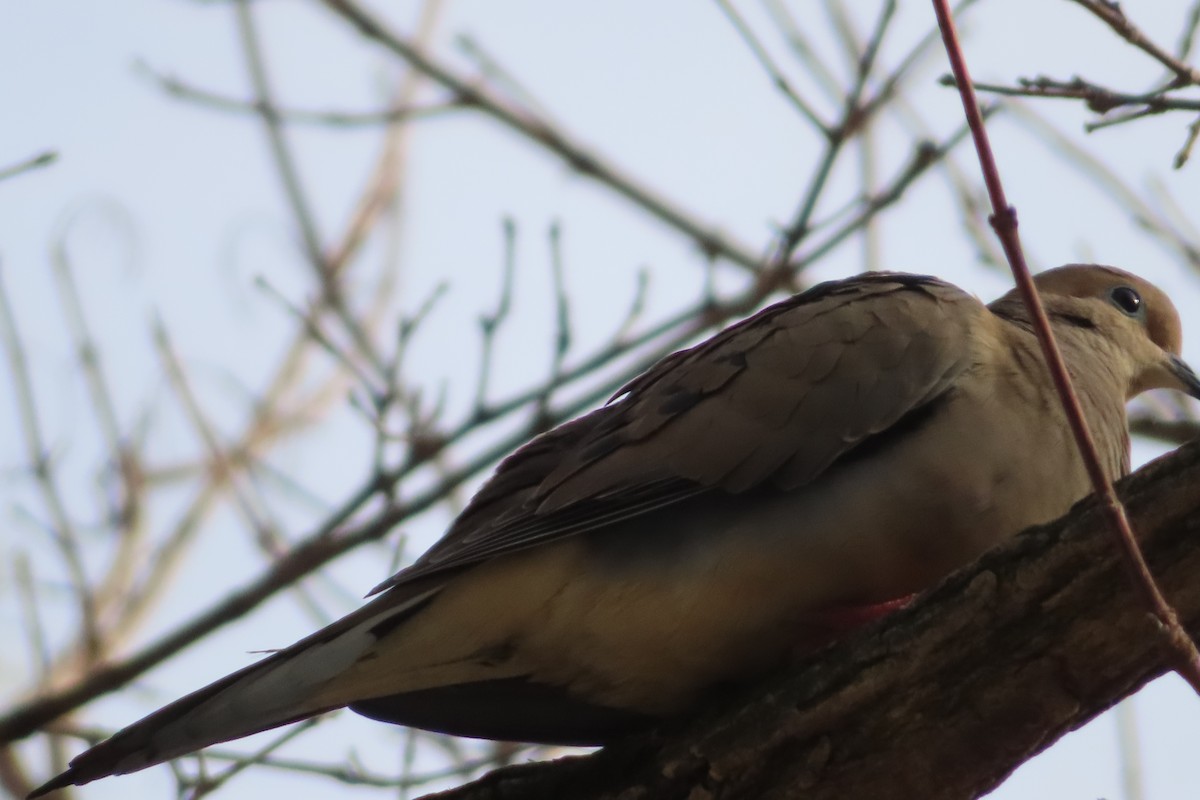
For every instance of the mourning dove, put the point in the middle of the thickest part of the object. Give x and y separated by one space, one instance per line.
846 447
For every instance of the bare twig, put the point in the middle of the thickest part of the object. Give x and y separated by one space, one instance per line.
111 589
1110 14
309 319
62 529
1098 98
43 159
34 627
1111 185
553 139
296 116
1185 151
925 155
1004 220
293 189
772 69
1187 38
216 456
636 307
489 324
798 41
848 125
562 316
496 74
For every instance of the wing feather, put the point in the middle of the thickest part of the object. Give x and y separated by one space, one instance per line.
774 400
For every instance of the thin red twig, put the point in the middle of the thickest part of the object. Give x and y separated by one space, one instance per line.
1004 221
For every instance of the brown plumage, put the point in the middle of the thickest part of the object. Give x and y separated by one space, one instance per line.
842 448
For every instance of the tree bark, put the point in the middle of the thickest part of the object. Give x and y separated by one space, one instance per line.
942 700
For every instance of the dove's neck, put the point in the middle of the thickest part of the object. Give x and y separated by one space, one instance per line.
1095 374
1102 390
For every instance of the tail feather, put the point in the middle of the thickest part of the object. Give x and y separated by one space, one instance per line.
275 691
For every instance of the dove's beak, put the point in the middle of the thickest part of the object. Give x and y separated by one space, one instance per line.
1188 382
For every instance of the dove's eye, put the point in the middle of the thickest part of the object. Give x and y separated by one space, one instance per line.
1128 300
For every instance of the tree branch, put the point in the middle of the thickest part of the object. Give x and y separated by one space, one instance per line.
941 700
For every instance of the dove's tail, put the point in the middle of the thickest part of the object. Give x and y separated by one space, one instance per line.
284 687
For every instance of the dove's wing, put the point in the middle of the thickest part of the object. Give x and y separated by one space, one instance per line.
774 400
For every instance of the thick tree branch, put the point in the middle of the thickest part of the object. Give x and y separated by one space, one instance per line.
942 700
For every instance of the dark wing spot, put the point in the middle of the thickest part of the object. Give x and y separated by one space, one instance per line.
497 654
600 448
737 359
679 400
908 424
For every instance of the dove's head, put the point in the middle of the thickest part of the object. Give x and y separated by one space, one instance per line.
1134 317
